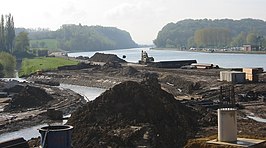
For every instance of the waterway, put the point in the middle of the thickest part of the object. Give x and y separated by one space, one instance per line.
89 93
226 60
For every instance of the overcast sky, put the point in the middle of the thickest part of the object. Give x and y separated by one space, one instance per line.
141 18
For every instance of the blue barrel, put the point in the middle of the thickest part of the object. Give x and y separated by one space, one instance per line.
58 136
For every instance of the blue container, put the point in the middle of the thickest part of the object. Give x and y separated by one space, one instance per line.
58 136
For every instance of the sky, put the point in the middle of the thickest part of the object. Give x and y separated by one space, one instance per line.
143 19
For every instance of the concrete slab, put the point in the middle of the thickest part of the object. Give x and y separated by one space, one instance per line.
241 142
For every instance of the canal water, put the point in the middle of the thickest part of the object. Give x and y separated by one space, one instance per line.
89 93
225 60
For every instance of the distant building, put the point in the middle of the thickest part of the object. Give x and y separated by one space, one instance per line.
251 48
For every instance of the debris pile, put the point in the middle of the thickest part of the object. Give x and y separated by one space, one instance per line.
129 71
30 97
133 114
113 64
101 57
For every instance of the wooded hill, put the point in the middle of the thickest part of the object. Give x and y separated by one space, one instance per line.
81 38
212 33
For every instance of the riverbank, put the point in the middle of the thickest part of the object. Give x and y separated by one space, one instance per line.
213 51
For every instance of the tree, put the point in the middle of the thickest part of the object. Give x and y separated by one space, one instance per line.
239 40
22 42
252 39
42 44
9 64
2 34
10 33
1 71
182 31
212 37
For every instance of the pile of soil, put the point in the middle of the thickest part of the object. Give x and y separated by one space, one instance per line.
180 83
133 114
101 57
129 71
29 97
79 66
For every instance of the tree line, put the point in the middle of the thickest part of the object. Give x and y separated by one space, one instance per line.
73 37
10 45
207 33
7 33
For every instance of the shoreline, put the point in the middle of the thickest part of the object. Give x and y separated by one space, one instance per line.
228 52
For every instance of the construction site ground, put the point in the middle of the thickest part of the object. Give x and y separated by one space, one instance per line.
189 86
184 84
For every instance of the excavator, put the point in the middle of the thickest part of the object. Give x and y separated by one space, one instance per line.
145 58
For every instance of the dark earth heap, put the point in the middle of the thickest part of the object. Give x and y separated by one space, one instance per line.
101 57
29 97
133 114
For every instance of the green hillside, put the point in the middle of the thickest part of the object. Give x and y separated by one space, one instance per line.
80 38
212 33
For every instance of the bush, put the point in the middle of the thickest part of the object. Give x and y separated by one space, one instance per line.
1 71
9 64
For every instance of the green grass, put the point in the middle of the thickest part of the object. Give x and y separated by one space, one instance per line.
50 44
30 66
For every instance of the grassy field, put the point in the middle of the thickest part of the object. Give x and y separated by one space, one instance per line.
50 44
44 64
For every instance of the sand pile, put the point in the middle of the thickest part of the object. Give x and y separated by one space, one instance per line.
133 114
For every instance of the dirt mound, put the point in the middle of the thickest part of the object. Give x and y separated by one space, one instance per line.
29 97
101 57
129 71
80 65
133 114
182 84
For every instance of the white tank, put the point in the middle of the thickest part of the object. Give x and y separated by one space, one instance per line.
227 125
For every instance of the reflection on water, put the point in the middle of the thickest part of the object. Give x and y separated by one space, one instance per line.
89 93
26 133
